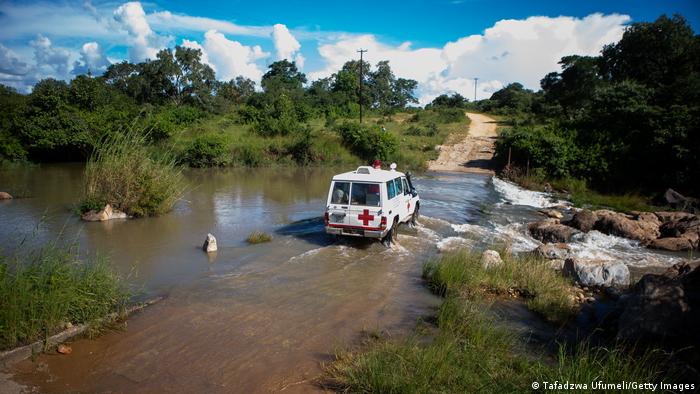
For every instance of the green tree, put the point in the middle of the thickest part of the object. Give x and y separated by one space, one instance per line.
283 76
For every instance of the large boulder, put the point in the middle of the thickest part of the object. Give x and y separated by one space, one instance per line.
490 259
671 216
679 201
5 196
551 231
664 309
583 220
615 223
675 244
107 213
597 273
553 251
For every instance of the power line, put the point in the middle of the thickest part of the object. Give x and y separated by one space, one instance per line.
361 51
475 79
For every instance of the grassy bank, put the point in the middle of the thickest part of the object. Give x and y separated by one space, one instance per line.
578 192
547 292
125 173
470 351
230 141
42 290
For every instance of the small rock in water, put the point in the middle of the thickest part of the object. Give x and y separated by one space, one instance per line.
552 213
107 213
5 196
490 259
209 244
64 349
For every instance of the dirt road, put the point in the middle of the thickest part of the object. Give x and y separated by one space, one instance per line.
474 153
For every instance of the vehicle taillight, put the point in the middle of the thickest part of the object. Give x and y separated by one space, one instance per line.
383 222
326 218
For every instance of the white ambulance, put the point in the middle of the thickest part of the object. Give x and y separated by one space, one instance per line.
371 203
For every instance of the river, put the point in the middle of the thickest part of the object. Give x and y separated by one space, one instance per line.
259 318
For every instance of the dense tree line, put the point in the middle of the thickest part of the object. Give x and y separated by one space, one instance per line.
624 120
62 120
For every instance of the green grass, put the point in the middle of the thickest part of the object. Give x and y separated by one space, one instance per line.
547 292
236 144
43 289
471 352
578 192
468 354
125 173
258 237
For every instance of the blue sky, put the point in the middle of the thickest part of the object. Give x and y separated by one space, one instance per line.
443 44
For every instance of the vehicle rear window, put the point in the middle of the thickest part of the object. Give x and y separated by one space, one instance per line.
341 191
365 194
390 190
399 186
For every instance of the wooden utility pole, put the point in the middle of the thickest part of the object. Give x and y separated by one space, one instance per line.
362 51
475 79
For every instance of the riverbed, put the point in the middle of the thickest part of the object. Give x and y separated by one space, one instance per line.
258 318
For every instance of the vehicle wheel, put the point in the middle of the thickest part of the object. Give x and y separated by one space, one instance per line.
416 214
388 238
395 230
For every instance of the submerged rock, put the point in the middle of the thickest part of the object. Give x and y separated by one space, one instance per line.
490 259
552 213
107 213
597 273
64 349
209 244
551 231
5 196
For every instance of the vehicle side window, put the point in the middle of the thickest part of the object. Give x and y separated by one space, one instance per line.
341 191
365 194
390 190
406 189
399 186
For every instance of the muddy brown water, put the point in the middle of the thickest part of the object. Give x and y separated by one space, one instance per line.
251 318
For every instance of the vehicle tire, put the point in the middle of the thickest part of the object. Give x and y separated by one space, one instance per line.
395 230
386 241
416 214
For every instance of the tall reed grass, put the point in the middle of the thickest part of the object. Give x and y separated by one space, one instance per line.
42 290
124 173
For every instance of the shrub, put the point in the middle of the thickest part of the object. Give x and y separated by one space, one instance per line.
206 151
258 237
542 147
122 172
42 290
367 142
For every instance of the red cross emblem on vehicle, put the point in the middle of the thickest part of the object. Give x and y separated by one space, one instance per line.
365 217
408 205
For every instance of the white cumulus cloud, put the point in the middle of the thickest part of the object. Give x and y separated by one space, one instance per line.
52 61
286 46
509 51
229 58
91 59
144 42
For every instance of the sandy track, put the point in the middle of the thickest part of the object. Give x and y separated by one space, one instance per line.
474 153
